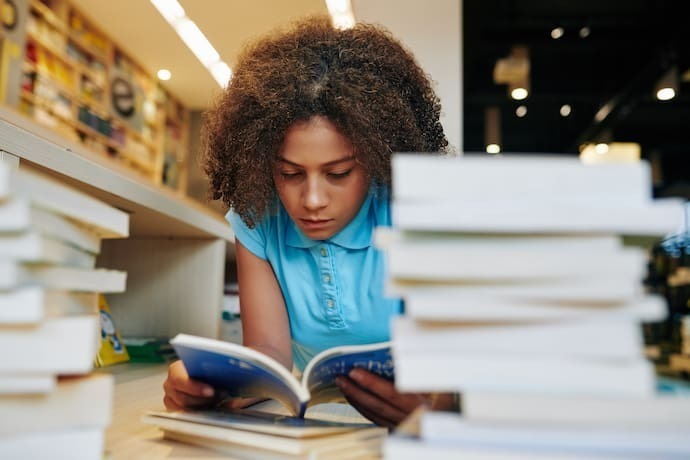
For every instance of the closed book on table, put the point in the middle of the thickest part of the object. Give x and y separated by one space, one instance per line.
446 303
64 444
79 401
34 247
65 345
533 178
19 215
615 339
552 439
31 305
51 195
656 218
15 275
422 372
447 257
669 407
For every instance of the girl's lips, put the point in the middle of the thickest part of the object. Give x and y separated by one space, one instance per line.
314 224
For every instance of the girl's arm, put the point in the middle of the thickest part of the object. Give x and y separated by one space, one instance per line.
265 325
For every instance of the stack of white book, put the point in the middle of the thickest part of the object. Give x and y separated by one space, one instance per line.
52 405
522 293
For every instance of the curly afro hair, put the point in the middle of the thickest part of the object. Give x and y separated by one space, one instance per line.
363 80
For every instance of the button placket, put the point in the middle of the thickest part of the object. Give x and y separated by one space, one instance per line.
328 286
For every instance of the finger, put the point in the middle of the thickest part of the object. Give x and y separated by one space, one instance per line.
180 381
170 404
376 418
361 398
182 399
385 390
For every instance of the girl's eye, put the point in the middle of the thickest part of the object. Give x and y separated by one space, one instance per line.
340 175
289 174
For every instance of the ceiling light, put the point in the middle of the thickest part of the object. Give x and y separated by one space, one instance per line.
665 94
341 13
557 33
493 149
519 93
164 74
565 110
171 10
602 113
601 148
195 39
584 32
666 87
221 73
521 111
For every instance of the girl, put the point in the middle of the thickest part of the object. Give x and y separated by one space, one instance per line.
299 146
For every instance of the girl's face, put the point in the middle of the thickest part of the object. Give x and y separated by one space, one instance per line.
319 182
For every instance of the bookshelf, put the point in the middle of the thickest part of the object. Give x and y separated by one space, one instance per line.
177 248
79 83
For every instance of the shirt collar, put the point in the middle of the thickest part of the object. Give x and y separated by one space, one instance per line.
358 234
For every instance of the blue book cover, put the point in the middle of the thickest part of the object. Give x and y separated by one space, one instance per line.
238 371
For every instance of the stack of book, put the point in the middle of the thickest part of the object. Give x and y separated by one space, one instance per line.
52 405
259 434
522 285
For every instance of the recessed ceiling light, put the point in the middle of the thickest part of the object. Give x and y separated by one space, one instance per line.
584 32
665 94
521 111
164 74
565 110
557 33
601 148
493 149
519 93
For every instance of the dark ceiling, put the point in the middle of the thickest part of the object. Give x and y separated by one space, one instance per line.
631 44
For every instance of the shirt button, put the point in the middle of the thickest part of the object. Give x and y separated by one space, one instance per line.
326 278
324 253
330 303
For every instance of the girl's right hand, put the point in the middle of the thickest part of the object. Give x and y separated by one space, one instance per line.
181 392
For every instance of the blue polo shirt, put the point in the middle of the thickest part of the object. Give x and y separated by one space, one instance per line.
333 289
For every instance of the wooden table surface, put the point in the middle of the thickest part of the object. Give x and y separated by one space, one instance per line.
138 388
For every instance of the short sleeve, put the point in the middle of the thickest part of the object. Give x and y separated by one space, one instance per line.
254 239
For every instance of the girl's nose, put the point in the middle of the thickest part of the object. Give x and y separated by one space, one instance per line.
315 195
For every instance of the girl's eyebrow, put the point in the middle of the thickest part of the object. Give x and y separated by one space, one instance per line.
330 163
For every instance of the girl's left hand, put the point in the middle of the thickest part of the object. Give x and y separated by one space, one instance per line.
377 399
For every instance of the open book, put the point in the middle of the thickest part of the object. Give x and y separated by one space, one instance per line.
238 371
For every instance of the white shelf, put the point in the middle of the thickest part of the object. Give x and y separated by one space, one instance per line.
154 211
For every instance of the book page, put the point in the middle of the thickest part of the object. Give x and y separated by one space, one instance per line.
319 376
330 412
